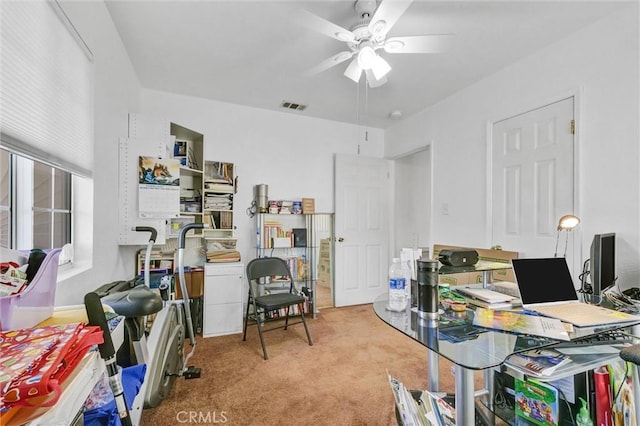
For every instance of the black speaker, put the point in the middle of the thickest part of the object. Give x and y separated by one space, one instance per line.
300 237
458 257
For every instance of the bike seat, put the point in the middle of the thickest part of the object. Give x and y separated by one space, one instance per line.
136 302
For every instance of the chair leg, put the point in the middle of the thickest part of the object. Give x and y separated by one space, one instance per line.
286 320
264 347
305 325
246 322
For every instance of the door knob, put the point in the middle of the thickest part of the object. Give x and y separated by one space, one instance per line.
340 239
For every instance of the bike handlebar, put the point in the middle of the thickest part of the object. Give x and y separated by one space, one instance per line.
153 231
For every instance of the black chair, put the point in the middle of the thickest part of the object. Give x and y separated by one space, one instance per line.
265 301
631 354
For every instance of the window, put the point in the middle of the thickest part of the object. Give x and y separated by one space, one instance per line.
5 203
35 204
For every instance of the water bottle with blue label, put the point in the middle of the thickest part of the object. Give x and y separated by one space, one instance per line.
397 285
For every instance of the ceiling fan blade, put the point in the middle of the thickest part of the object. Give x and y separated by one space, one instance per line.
321 25
372 81
386 15
353 71
419 44
329 62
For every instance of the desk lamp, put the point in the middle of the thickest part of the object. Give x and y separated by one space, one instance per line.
566 223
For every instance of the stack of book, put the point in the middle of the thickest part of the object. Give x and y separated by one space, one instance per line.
218 201
226 255
285 207
538 362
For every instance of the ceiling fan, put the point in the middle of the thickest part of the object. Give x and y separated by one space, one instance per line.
367 36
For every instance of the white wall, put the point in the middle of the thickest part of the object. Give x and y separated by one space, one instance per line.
412 204
601 64
99 258
291 153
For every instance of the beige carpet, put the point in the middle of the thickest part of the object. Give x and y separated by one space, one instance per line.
340 380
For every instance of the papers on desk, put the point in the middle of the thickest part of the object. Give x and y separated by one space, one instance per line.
420 408
522 323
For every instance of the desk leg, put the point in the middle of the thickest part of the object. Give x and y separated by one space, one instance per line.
488 386
487 277
433 369
465 399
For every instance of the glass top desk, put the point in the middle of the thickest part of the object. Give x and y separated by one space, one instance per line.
469 347
484 266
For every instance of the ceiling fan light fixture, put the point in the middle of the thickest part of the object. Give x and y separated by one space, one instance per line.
380 67
374 82
366 57
353 71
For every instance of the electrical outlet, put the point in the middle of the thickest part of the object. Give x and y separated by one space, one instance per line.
445 209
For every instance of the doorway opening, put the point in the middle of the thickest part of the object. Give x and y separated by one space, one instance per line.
412 202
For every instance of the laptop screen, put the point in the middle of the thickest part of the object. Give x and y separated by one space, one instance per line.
544 280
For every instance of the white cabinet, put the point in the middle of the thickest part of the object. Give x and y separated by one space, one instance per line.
223 299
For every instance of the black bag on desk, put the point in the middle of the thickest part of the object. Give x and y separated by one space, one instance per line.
458 257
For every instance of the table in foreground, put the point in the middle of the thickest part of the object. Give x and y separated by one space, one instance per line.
470 348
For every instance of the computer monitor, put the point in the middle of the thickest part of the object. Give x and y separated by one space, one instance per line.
602 262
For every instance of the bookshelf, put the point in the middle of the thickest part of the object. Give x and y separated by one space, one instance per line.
219 189
188 148
302 240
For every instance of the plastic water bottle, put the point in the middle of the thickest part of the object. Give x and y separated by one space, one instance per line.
397 284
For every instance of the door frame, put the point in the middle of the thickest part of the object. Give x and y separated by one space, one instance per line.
430 145
523 107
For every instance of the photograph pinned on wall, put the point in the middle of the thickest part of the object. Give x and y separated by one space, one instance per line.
158 171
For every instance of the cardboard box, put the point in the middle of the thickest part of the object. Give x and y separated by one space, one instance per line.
486 255
308 205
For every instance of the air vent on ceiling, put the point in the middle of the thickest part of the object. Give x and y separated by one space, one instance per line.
292 105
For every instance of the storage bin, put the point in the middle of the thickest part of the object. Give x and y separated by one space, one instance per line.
35 303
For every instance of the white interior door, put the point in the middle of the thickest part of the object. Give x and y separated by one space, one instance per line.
362 192
533 180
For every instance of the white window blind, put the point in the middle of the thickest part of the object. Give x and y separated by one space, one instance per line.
46 86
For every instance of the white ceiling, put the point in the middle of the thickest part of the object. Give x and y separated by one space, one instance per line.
255 53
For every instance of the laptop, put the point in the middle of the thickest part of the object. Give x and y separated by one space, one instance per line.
546 288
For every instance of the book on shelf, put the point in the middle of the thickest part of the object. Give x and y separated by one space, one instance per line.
219 187
218 172
220 220
538 362
536 402
218 201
